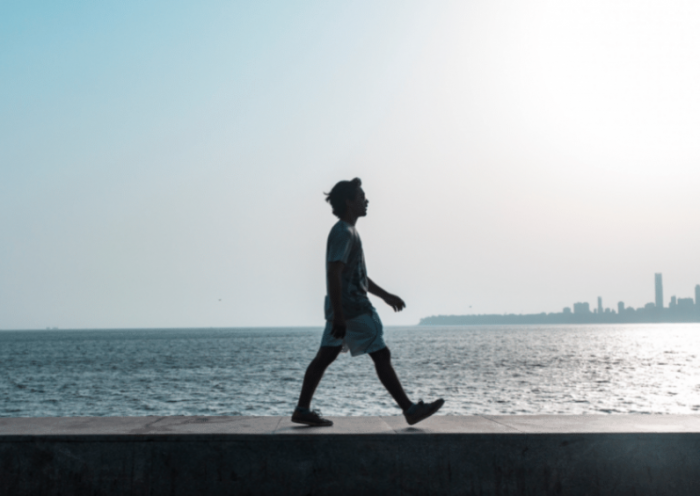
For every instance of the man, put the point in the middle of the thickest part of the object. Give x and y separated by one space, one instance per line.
351 320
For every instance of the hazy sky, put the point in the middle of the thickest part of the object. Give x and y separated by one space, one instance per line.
162 164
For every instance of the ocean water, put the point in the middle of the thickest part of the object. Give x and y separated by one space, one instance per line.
574 369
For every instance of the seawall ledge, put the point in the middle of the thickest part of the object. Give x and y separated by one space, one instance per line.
13 427
461 455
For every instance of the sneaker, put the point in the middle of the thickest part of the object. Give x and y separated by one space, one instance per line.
420 411
310 417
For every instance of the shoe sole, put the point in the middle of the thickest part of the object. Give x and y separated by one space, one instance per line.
427 414
313 424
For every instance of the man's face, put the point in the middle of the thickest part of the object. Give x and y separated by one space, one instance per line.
358 206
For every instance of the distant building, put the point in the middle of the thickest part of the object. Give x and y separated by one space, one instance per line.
659 288
567 311
600 305
620 307
673 302
581 308
685 304
697 297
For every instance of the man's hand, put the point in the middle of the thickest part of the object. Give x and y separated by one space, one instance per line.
339 328
394 302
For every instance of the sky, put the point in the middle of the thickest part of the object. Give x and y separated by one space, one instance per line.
163 164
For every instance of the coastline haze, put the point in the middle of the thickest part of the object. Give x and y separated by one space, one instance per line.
517 158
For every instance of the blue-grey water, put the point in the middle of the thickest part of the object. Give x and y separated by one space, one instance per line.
572 369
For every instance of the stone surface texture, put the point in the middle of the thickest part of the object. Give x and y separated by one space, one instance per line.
470 455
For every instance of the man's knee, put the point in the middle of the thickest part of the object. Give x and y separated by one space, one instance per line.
380 356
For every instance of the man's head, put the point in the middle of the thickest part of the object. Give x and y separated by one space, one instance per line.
348 197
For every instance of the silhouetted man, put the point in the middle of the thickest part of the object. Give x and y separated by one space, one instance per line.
352 322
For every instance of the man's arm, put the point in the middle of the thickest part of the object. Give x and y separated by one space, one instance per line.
335 271
392 300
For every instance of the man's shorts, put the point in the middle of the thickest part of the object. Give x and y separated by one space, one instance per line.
364 334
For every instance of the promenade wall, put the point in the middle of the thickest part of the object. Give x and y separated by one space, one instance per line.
470 455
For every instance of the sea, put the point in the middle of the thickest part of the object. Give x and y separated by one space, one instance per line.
517 369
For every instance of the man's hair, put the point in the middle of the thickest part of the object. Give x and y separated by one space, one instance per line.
342 191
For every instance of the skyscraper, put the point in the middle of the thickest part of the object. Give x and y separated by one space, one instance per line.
600 305
697 297
620 307
658 286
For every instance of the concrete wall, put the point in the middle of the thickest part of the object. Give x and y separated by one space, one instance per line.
519 455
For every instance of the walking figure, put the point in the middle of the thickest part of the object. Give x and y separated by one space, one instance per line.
352 322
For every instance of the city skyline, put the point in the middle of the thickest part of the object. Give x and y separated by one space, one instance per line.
678 310
674 302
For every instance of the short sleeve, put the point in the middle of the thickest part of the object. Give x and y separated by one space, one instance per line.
339 245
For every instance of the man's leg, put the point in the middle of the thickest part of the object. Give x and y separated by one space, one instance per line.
386 373
314 373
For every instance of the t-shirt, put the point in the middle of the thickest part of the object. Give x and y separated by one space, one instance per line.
344 245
